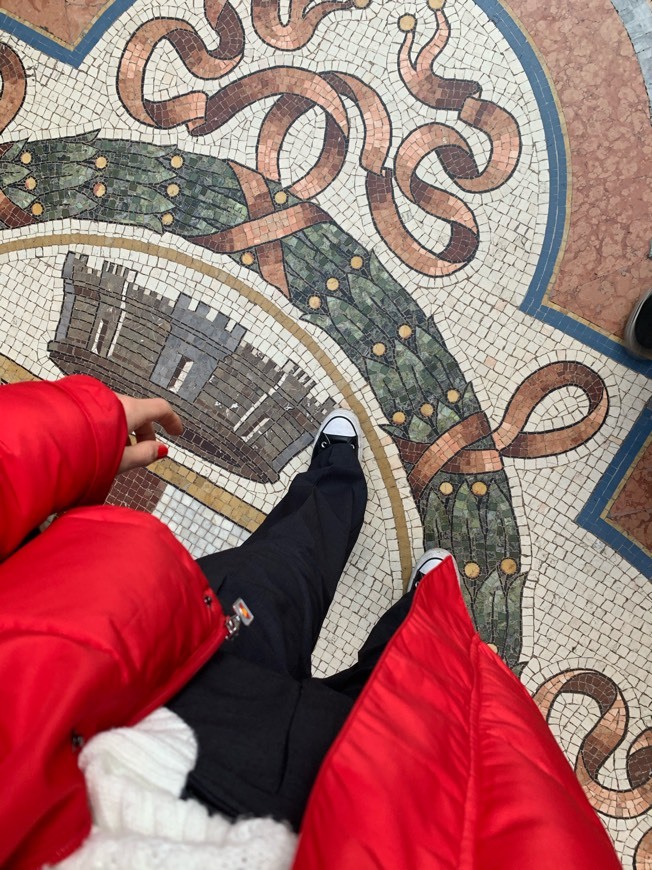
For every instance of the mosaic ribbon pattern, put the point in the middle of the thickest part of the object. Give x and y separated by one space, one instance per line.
643 854
13 85
601 742
299 90
301 24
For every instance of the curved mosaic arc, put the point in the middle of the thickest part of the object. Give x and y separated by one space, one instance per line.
302 21
340 286
643 853
14 87
299 90
211 65
600 743
462 96
293 244
603 740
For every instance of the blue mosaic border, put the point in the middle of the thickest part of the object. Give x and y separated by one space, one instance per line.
534 303
555 145
590 517
73 56
556 148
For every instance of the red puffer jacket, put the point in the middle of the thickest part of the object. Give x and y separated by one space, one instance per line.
445 762
102 617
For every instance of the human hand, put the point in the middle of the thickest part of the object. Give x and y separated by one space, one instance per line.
141 415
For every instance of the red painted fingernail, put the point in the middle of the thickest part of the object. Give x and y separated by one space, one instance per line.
162 451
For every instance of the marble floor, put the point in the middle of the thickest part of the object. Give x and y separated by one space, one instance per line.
435 213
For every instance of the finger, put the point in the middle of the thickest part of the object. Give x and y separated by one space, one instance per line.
142 454
145 433
172 422
157 411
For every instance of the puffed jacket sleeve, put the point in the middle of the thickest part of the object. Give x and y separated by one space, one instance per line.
60 446
103 616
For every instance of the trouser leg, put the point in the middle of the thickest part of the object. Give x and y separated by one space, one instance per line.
262 726
288 570
351 681
262 735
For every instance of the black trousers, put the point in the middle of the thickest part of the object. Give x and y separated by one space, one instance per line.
263 724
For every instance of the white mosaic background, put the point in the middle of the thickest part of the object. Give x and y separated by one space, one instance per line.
584 605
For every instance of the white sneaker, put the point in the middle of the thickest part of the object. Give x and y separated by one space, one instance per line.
339 427
425 564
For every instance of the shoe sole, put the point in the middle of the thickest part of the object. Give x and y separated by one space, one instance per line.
348 415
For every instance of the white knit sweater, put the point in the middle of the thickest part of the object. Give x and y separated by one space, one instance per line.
134 777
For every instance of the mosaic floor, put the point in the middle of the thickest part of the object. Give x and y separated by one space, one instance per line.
437 214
